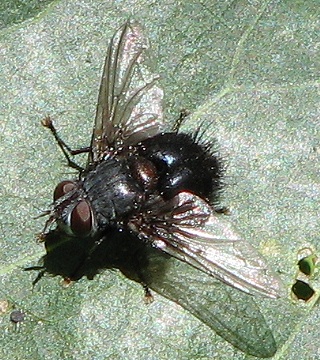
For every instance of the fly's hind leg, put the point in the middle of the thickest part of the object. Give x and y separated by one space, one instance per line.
183 114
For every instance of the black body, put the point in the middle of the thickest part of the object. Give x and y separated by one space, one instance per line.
171 163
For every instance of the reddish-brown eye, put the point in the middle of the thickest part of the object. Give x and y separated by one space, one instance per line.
81 219
63 188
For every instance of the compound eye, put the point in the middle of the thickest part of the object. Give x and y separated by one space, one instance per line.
81 219
63 188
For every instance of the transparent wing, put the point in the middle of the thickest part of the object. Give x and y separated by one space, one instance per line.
192 233
231 314
129 105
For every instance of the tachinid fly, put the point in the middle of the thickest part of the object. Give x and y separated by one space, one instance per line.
144 204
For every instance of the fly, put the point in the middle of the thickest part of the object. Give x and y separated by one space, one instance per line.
144 203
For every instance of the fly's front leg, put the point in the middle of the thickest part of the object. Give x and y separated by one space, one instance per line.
67 151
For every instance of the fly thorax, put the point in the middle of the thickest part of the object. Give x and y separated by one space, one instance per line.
112 191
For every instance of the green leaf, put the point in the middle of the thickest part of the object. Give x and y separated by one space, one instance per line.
247 71
16 11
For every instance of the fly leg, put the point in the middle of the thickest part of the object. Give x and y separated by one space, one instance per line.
183 114
40 275
67 151
148 297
